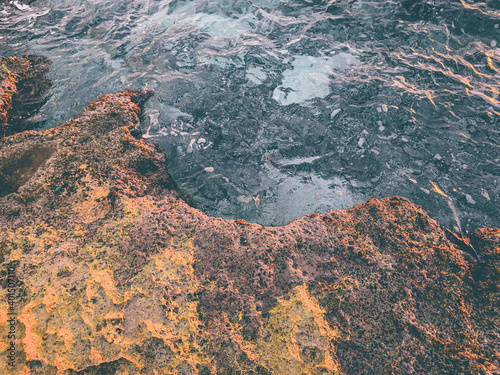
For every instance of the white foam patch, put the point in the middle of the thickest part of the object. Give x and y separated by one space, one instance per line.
215 60
173 113
310 77
20 6
256 75
218 27
223 62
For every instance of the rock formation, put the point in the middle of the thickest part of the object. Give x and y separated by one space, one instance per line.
22 88
106 270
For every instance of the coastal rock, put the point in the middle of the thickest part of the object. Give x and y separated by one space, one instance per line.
113 273
22 88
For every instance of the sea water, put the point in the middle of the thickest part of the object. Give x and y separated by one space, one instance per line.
269 110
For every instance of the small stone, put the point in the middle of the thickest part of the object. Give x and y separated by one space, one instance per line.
244 199
335 113
470 199
484 193
190 147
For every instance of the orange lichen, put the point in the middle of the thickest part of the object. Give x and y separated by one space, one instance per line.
32 340
7 91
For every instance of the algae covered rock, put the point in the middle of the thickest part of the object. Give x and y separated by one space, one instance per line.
106 270
22 88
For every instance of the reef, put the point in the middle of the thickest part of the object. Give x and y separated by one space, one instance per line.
106 270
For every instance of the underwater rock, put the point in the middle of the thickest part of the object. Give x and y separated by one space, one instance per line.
106 270
22 88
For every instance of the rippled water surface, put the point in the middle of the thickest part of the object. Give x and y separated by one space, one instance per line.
270 109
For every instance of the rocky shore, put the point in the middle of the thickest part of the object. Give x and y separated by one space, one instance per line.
22 88
106 270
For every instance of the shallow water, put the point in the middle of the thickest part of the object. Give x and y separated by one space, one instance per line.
269 110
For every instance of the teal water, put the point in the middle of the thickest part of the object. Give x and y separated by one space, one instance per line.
269 110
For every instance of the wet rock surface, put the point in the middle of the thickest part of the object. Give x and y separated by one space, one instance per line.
114 273
22 92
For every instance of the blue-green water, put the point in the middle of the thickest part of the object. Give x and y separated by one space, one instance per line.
269 110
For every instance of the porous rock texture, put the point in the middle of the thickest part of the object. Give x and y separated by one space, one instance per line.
116 274
22 88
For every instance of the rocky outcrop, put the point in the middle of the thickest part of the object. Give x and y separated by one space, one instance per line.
107 270
22 88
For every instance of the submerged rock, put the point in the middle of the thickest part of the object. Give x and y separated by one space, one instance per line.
22 88
111 272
